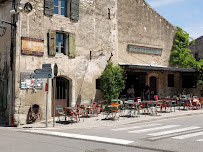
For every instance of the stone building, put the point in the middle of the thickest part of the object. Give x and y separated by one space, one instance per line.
197 48
80 36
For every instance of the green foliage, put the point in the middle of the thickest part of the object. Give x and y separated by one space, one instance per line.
181 56
112 81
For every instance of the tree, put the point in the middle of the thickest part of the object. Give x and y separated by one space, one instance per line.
181 56
112 81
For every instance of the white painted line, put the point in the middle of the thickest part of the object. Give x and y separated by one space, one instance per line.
200 140
134 127
189 135
173 131
153 129
87 137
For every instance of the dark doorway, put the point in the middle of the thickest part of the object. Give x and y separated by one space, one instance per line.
138 79
153 89
62 92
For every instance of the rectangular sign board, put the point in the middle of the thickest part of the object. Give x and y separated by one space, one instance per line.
46 66
31 46
30 83
43 71
141 49
35 76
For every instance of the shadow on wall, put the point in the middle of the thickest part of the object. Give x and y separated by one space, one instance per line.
78 100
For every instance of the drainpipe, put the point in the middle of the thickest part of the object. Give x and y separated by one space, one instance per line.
11 65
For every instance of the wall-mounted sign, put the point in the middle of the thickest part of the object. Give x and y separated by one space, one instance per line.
142 49
29 83
32 46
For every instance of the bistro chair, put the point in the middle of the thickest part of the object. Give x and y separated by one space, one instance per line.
59 112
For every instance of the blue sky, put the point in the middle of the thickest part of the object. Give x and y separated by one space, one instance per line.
187 14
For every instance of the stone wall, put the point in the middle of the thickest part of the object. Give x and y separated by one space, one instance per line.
93 32
197 47
139 24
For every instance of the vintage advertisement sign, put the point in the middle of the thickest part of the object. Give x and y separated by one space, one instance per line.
142 49
30 83
31 46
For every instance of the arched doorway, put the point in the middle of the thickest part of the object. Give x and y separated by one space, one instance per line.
62 92
153 87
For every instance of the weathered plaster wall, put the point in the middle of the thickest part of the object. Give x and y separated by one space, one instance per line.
93 32
139 24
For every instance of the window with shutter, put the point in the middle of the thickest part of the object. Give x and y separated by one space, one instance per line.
61 43
67 8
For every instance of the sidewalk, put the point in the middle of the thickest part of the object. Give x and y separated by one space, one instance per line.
93 122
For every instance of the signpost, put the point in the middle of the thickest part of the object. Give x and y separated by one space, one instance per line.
36 76
43 71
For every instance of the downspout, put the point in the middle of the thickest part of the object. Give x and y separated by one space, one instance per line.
11 65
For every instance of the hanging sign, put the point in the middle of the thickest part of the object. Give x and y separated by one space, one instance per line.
32 46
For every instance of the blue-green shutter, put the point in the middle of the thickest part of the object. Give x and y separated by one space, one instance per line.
5 91
74 10
71 45
49 7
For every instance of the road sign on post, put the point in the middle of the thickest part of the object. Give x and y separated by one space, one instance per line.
43 71
33 75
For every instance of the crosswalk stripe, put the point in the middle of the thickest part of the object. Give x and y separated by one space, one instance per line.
173 131
79 136
153 129
199 140
134 127
189 135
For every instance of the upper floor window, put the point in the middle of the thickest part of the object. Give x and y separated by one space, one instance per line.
60 7
67 8
63 43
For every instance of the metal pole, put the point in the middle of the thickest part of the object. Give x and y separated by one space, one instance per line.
54 106
11 93
47 103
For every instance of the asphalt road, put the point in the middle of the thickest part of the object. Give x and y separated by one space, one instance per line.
13 140
183 134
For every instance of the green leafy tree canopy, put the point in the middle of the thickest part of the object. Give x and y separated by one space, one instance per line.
181 56
112 81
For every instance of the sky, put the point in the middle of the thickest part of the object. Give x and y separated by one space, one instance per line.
187 14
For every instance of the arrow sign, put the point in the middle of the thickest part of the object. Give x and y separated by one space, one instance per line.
43 71
32 76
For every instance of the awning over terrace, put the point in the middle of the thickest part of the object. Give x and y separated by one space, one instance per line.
156 68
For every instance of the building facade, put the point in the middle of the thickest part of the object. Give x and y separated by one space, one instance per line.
80 36
197 48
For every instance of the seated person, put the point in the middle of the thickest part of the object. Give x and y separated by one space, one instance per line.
131 92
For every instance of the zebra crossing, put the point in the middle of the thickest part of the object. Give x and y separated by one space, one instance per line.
160 131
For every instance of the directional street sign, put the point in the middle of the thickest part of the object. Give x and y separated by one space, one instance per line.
46 66
33 75
43 71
